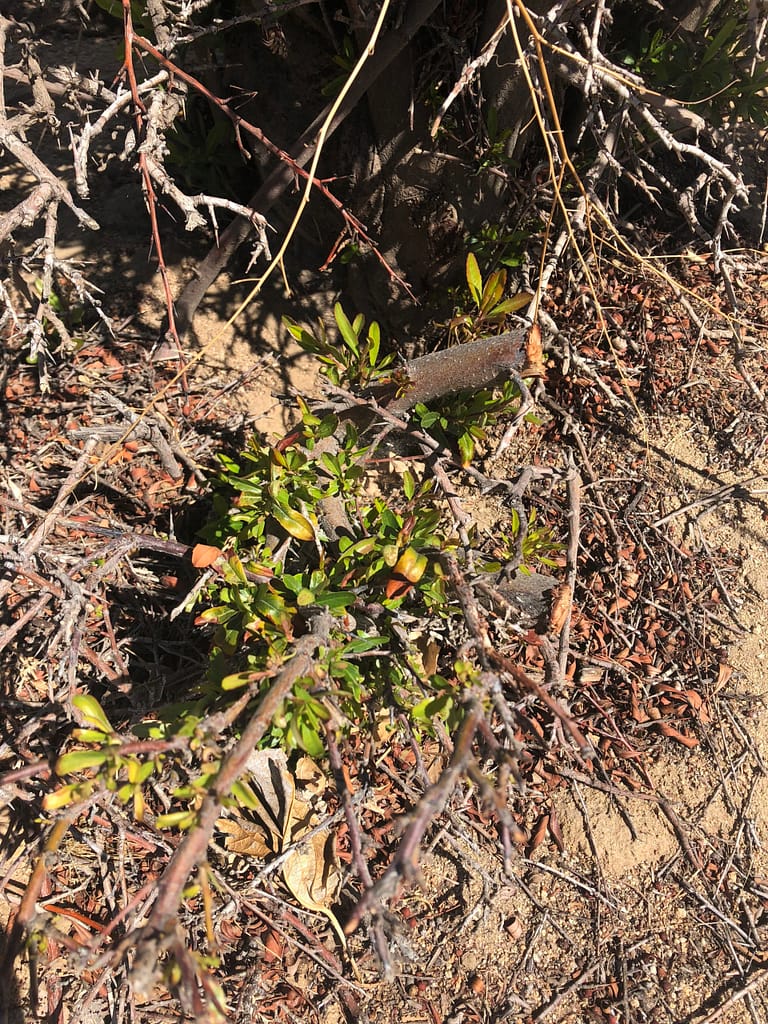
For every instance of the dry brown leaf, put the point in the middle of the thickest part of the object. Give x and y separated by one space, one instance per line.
534 355
560 608
314 879
281 818
308 772
247 841
269 778
538 835
270 792
675 734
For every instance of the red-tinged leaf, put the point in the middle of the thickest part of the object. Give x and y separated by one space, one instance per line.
724 673
396 587
667 730
204 555
539 834
273 947
555 831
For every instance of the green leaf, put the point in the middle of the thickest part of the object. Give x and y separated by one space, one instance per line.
176 819
65 795
294 523
79 760
512 305
92 712
494 289
304 338
347 330
336 599
363 644
310 740
409 485
364 546
245 796
374 343
466 448
238 571
221 614
390 553
236 681
432 707
144 772
331 463
474 278
326 427
88 735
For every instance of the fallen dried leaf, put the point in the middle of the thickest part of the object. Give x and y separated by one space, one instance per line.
560 608
204 555
313 877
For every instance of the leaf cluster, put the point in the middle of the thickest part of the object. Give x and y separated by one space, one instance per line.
281 562
352 359
123 774
712 68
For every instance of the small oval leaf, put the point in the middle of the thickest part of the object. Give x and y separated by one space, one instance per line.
474 278
92 712
204 555
78 760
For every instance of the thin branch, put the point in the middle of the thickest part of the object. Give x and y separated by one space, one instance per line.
192 848
404 865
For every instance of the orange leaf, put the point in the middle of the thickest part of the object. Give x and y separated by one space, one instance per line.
687 741
539 833
555 831
561 606
724 673
204 555
396 586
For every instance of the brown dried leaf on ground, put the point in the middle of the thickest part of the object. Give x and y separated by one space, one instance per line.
279 821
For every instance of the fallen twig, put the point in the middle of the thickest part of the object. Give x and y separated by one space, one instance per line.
192 848
404 865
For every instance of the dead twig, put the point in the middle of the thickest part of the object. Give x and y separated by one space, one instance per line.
192 848
343 787
404 865
301 153
760 975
